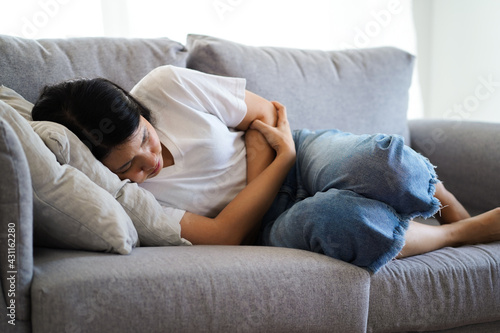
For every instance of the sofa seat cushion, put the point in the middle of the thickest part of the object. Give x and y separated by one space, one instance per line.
359 90
444 289
195 289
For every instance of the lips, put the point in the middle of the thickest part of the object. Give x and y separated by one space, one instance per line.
156 170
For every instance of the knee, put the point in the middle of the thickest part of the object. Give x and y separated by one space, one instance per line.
383 159
386 147
398 175
399 165
387 141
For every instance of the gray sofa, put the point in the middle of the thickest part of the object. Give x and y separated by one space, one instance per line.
49 287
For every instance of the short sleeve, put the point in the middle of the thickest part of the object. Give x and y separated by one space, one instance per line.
175 216
223 97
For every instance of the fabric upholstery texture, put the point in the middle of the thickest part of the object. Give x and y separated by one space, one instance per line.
443 289
467 158
22 106
16 237
360 91
49 61
198 289
488 327
65 213
235 289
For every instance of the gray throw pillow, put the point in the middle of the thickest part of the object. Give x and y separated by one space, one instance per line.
69 210
359 91
147 215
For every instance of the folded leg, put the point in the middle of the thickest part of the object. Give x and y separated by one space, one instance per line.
379 167
340 224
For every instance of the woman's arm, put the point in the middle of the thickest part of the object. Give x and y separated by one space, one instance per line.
257 108
259 153
246 210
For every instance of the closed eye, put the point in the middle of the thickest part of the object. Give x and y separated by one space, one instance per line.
145 137
125 167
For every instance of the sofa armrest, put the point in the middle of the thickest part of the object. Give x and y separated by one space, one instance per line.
16 232
467 156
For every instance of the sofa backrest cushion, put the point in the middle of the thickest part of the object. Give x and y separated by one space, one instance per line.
28 65
359 91
16 215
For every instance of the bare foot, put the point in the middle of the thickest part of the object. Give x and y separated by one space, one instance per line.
422 238
451 209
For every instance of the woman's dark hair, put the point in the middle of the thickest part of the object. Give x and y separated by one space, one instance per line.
98 111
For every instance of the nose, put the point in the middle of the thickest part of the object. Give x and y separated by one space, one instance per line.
149 162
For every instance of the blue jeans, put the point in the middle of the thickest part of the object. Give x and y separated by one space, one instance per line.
350 197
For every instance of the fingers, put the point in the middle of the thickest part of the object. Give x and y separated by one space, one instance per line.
282 116
260 126
277 105
279 137
280 108
282 120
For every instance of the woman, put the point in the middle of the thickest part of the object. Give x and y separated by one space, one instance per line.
226 164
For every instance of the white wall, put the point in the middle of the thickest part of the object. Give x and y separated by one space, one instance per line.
311 24
459 58
51 18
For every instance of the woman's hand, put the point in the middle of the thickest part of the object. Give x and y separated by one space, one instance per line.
239 220
279 137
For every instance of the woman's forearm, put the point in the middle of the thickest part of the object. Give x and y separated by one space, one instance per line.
259 154
250 205
244 213
241 217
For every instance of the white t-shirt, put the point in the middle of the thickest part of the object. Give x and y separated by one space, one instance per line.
194 115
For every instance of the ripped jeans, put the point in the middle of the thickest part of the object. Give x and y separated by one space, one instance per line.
350 197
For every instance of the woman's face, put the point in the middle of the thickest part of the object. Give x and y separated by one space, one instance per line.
140 157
